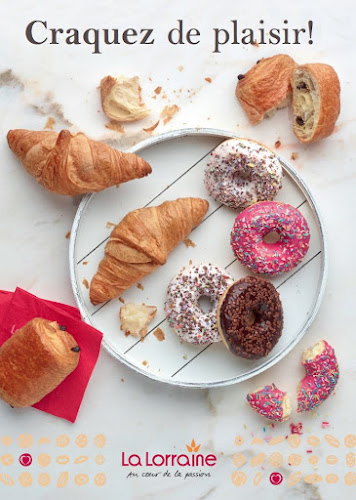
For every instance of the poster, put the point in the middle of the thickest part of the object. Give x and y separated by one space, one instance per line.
161 418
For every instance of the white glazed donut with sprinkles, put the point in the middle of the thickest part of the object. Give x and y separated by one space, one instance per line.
241 172
255 222
184 314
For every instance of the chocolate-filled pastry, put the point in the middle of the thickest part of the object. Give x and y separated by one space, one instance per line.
316 101
250 317
35 360
266 87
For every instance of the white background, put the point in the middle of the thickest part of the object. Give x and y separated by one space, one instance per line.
138 414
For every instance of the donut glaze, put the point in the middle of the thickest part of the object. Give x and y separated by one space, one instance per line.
240 172
250 317
255 222
322 375
182 308
271 403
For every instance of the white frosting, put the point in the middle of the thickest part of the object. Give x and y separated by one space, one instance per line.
241 172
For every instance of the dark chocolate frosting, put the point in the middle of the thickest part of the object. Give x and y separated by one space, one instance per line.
251 317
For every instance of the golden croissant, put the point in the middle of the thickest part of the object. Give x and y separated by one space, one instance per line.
142 242
73 164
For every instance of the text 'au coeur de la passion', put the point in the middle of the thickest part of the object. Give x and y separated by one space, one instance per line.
41 32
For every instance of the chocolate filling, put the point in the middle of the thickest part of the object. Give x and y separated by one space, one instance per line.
302 86
299 120
63 328
251 317
75 349
240 77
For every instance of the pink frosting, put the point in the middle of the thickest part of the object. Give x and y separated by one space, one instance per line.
268 402
257 221
322 374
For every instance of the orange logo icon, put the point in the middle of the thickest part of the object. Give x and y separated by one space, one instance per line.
193 448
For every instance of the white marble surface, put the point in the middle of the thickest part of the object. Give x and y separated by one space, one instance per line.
137 414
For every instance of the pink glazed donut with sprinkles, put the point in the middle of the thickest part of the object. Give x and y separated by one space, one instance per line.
322 375
255 222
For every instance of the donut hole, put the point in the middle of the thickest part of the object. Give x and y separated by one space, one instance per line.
271 237
205 304
251 317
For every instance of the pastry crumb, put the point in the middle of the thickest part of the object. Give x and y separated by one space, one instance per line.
277 144
122 300
185 356
159 334
122 380
121 99
50 122
208 79
68 235
151 129
112 125
110 224
135 318
168 113
158 90
294 156
140 286
86 283
85 263
255 43
189 243
180 68
144 362
190 262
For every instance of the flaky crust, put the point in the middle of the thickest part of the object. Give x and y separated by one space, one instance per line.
73 164
323 107
34 361
142 242
266 87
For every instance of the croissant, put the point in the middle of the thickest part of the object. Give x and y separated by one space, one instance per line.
266 87
35 360
73 164
316 101
142 242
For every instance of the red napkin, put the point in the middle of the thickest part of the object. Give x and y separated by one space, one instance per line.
17 308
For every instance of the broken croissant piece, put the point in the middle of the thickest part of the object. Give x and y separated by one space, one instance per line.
142 242
136 317
121 99
266 87
74 164
35 360
316 101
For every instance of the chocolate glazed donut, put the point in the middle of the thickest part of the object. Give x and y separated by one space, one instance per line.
250 317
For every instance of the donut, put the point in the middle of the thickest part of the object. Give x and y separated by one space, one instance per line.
241 172
254 223
271 403
250 317
182 308
322 374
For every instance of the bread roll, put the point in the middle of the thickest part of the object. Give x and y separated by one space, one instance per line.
266 87
35 360
316 101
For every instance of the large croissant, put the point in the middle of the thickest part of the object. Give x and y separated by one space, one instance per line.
73 164
141 242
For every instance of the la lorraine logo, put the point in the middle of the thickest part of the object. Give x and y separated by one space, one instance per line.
193 448
148 459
